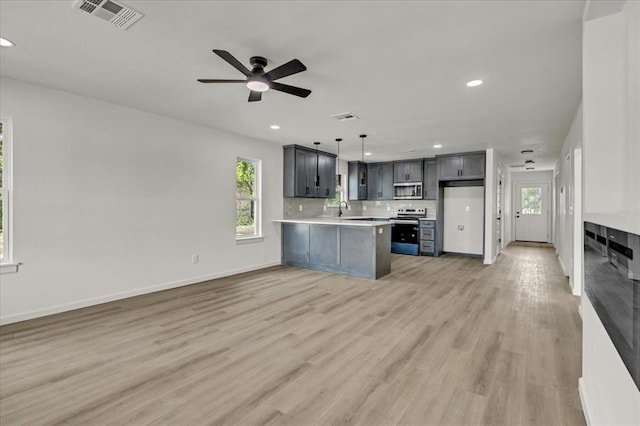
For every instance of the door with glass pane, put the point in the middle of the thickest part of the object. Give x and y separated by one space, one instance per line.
532 212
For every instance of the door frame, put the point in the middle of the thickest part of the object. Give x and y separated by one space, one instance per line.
514 204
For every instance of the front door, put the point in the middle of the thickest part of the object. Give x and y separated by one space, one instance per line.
532 212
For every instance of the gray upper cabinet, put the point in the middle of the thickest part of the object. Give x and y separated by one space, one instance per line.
461 166
301 166
407 171
357 180
473 166
327 172
380 181
430 186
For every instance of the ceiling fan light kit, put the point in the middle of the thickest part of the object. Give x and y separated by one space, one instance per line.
259 81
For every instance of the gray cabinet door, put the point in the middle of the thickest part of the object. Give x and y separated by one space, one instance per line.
407 171
399 172
380 181
374 181
414 171
327 174
473 166
302 187
430 180
386 187
357 186
448 167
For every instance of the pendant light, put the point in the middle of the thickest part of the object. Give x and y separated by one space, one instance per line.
317 166
363 178
339 176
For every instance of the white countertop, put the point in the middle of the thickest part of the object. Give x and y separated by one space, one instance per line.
344 221
627 222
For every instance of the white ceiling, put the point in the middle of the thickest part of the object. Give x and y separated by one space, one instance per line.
400 66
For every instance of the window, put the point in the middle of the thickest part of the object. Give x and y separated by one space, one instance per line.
340 195
5 195
247 199
531 200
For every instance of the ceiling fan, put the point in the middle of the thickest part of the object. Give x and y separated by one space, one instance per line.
257 80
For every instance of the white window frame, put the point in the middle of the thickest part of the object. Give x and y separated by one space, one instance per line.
257 199
7 263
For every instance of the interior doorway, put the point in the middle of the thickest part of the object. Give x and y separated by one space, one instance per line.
532 212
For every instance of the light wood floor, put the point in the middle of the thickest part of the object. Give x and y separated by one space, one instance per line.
439 341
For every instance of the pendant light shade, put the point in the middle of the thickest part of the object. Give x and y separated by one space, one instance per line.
363 178
317 166
338 175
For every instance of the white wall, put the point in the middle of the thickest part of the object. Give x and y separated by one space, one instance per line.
495 172
111 202
567 221
611 148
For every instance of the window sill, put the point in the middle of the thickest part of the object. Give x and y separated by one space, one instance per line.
9 268
249 240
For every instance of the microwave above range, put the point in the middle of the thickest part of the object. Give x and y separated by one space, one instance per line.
407 191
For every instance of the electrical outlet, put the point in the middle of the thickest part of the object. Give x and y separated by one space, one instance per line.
364 207
195 258
300 207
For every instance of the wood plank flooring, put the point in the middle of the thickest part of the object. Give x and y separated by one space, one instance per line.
438 341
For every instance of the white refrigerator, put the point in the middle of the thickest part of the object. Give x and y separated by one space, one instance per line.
463 221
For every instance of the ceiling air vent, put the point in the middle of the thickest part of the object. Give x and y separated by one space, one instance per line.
516 165
345 116
119 15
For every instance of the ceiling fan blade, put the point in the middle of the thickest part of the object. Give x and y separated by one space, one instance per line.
292 90
213 80
232 61
255 96
294 66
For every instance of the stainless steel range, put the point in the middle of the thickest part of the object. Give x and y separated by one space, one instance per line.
405 230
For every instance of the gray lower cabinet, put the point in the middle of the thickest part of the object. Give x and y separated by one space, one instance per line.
430 186
357 180
461 166
428 237
380 181
361 251
303 167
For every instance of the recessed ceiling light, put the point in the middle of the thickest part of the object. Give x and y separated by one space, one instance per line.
474 83
526 151
275 127
437 145
367 153
6 43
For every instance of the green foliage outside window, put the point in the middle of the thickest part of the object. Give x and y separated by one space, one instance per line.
245 198
531 200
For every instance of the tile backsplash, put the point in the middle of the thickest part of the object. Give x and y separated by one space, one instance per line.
315 207
390 207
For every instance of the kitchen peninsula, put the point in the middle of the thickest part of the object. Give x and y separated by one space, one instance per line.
354 246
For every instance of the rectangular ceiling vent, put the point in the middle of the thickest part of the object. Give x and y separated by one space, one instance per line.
516 165
345 116
117 14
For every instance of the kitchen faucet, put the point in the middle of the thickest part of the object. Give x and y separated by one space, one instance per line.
340 207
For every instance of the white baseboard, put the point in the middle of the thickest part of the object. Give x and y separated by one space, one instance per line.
123 295
584 400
